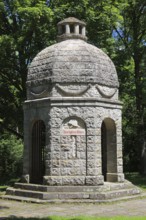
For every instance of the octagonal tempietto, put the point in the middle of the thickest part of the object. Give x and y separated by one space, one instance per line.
72 115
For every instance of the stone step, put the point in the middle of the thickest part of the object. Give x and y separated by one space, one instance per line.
106 187
31 194
24 199
73 195
33 200
44 188
115 194
46 195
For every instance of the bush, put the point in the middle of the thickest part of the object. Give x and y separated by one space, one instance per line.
10 157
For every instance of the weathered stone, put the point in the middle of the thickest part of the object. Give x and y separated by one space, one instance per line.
120 162
120 169
82 155
91 163
94 180
55 171
25 178
90 123
52 181
73 181
66 163
92 171
91 156
91 132
66 171
91 139
55 163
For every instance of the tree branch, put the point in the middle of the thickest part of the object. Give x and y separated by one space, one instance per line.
3 126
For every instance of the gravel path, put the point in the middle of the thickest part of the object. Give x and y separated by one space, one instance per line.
136 207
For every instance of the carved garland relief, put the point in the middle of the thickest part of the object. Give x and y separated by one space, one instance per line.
104 91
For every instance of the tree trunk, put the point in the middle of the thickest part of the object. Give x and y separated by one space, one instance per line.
141 141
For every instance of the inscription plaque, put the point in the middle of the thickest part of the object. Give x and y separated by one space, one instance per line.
73 132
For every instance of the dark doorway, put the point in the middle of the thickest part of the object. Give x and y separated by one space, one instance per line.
109 149
104 150
37 155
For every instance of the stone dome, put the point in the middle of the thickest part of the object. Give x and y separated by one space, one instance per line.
72 61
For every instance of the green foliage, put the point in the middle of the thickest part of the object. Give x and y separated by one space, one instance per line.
137 179
94 13
25 29
131 49
11 157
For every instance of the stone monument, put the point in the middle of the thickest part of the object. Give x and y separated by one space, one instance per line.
72 117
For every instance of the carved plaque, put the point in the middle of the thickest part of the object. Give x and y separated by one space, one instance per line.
73 131
72 127
73 147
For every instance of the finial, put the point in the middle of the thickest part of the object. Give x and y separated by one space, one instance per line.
71 28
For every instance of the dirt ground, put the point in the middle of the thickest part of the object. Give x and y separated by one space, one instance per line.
135 207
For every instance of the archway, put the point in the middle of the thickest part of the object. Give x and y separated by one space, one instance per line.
109 149
37 152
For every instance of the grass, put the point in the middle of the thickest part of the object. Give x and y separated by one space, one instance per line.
79 218
137 179
3 188
6 183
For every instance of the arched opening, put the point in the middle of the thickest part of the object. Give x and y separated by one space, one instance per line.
37 153
109 149
72 29
80 29
63 29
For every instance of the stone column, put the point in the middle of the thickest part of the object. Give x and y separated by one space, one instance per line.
84 31
52 174
120 175
48 149
26 153
76 29
94 176
67 29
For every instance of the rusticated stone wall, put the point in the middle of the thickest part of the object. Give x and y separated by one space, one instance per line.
73 140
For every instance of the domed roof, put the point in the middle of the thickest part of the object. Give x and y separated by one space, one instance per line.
72 61
71 20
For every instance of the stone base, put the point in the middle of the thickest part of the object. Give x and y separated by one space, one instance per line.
73 180
114 177
25 178
43 193
77 180
94 180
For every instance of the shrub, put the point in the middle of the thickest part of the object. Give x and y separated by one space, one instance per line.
10 157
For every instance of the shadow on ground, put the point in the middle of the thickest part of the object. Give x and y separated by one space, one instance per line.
3 207
21 218
48 218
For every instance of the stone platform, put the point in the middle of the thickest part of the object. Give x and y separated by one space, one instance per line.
42 194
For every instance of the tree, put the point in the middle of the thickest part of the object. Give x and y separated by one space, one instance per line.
131 36
11 157
25 28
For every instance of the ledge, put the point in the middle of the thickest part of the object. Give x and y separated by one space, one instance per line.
72 101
